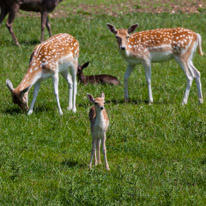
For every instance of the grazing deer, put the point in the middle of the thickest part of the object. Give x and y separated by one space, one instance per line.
156 46
99 123
57 54
13 6
93 79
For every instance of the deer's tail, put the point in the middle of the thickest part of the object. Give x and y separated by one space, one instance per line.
199 44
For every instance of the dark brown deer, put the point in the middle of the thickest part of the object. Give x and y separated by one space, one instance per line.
13 6
95 79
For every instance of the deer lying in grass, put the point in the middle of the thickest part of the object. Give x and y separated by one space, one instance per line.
156 46
99 123
95 79
57 54
13 6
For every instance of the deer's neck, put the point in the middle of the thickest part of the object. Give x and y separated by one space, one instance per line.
29 79
101 120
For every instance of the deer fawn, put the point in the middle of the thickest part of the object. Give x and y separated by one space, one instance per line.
156 46
93 79
99 123
57 54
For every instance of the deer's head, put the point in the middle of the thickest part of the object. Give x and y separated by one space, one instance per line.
122 35
98 102
19 97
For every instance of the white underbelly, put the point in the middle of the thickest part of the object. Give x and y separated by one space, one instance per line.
161 56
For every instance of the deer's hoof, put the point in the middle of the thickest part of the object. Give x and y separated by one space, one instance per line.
200 101
29 112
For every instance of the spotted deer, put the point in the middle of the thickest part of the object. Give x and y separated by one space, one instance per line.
59 54
95 79
159 45
99 123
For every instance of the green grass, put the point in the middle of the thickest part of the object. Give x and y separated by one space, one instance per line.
157 154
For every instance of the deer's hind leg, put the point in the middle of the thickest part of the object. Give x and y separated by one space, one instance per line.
197 75
189 75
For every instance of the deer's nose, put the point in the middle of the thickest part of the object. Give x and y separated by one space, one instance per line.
122 47
101 108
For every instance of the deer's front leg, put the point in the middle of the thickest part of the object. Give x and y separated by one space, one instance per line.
126 77
93 152
36 90
104 150
98 151
147 68
12 15
56 91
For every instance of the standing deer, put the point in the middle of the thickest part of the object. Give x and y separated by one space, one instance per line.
57 54
95 79
13 6
99 123
156 46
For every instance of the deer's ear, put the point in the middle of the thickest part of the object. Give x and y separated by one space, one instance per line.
9 85
24 91
132 28
85 65
112 28
90 98
102 95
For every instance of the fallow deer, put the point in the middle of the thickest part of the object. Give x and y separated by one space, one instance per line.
13 6
159 45
95 79
59 54
99 123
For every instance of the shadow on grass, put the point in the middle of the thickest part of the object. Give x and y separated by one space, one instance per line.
73 163
30 42
16 110
13 111
9 43
138 102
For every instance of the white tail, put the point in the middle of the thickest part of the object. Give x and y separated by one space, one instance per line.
57 54
156 46
99 123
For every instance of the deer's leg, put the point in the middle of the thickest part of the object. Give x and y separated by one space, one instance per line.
68 78
147 68
126 77
104 150
56 91
74 80
98 151
93 152
189 76
36 90
12 15
48 25
198 82
4 12
44 16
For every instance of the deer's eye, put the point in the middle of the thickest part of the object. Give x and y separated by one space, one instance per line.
95 103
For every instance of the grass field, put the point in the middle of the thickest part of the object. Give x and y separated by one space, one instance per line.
157 154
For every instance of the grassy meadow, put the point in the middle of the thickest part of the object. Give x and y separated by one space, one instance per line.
157 153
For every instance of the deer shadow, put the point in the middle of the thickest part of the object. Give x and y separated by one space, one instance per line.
73 163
